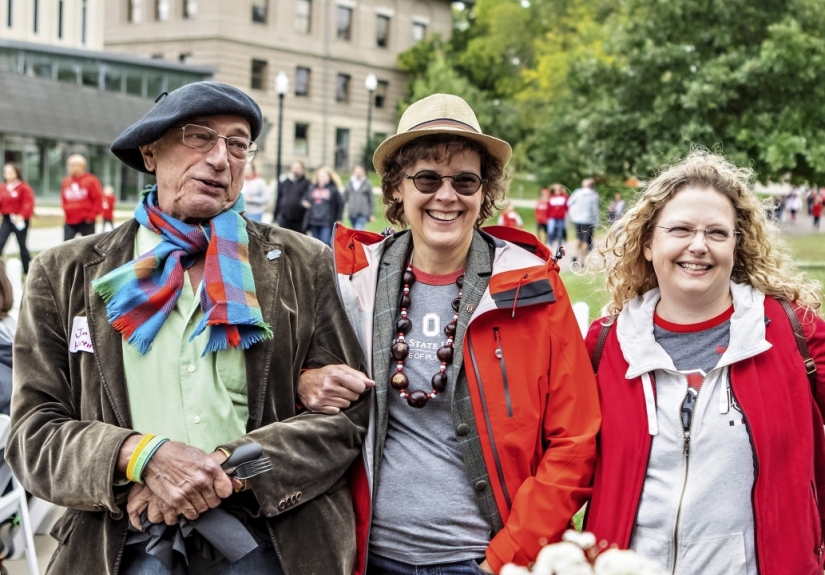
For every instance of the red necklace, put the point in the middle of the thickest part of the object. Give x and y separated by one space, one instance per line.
401 349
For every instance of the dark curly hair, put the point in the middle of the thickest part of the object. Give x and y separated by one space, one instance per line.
440 148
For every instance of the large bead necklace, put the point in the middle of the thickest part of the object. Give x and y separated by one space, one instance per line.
401 349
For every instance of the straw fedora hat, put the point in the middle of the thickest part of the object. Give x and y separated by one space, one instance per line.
439 114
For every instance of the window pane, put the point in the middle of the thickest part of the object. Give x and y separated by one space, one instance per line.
41 66
381 93
111 78
190 8
341 148
134 82
301 140
259 10
302 81
68 72
382 33
90 75
344 23
342 87
135 10
173 81
258 74
162 10
419 31
154 86
303 16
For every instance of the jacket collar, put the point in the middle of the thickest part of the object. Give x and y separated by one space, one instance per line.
634 329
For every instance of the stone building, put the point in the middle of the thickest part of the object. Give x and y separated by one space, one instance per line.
327 48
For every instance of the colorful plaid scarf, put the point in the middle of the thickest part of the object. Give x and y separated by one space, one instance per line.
140 294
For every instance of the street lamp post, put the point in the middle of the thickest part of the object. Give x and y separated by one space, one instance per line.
371 83
281 87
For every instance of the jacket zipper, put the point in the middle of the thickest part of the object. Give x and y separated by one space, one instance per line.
500 356
686 430
492 440
755 472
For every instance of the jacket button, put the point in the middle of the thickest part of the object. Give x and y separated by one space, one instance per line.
281 505
481 485
299 496
116 515
462 429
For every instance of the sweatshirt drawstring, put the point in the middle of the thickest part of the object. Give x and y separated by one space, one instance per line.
650 404
515 300
352 260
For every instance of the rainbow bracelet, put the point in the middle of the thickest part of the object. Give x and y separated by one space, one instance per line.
144 451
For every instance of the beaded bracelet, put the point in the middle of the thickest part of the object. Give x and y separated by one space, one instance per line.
144 451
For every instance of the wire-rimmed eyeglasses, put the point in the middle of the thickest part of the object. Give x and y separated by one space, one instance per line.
204 139
429 182
714 234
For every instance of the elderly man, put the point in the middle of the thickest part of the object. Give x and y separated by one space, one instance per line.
146 355
293 199
81 197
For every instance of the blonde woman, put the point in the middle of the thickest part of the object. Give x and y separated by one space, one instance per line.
326 204
711 458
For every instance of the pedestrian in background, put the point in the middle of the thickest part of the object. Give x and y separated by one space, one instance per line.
793 203
108 208
255 193
816 207
293 200
583 207
615 209
358 199
556 216
326 204
509 218
542 207
17 207
82 198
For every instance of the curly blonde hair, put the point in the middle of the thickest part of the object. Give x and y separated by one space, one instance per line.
761 258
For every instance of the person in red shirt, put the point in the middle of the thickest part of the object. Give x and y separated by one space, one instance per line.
17 207
816 208
108 208
82 198
509 218
556 213
542 207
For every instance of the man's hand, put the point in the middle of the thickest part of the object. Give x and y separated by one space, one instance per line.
331 388
141 499
187 479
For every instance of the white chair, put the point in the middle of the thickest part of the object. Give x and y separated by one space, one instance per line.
15 502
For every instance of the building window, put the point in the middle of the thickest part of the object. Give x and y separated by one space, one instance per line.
302 81
303 16
83 13
344 23
183 57
135 11
190 8
381 93
342 82
36 14
60 19
419 31
8 13
382 31
162 10
259 10
258 74
300 146
341 148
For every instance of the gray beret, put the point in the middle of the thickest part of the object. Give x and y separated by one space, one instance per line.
196 99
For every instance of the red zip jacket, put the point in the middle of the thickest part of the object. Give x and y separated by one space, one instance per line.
786 431
19 200
557 207
82 198
108 207
535 404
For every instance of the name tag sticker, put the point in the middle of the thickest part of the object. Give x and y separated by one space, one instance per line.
80 340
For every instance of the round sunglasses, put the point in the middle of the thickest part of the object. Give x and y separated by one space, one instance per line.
429 182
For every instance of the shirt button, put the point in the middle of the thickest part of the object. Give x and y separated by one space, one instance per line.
481 485
462 429
191 369
196 419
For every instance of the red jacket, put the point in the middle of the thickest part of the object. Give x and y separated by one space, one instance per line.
19 200
542 209
789 449
82 198
108 207
539 454
557 207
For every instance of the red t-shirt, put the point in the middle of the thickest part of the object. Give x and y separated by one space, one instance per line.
542 208
82 198
108 207
558 207
18 199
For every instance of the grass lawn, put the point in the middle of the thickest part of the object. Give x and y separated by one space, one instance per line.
808 248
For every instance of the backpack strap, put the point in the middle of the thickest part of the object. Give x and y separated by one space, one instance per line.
597 353
799 336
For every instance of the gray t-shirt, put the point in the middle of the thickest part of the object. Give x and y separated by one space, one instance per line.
425 507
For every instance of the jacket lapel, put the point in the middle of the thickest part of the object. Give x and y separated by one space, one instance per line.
115 249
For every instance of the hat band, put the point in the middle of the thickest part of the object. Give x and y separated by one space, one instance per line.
443 122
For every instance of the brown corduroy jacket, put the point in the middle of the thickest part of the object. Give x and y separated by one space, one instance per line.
70 411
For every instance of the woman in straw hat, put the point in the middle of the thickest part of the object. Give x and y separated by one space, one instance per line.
482 440
712 451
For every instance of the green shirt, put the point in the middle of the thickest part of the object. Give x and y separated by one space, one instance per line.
176 393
